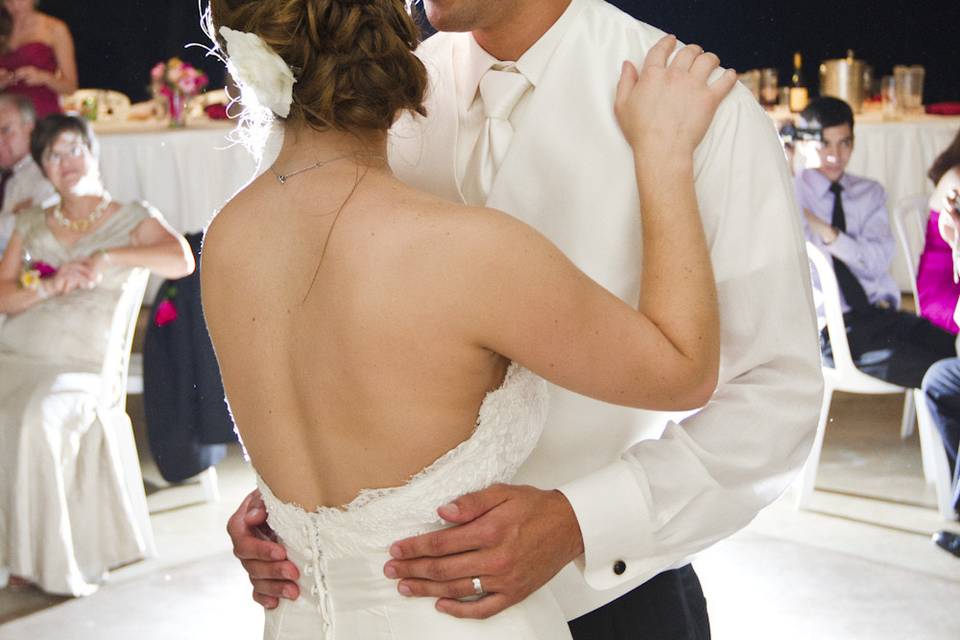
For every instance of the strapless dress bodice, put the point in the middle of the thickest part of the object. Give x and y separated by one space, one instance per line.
508 426
340 551
42 56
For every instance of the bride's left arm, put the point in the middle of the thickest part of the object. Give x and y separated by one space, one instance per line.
153 245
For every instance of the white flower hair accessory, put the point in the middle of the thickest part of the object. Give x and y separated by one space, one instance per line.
260 70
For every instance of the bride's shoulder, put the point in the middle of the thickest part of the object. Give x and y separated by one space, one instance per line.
466 236
231 228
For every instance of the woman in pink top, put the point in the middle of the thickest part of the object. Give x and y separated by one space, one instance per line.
937 287
36 56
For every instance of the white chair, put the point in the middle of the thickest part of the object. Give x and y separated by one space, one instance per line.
113 402
910 218
910 222
844 376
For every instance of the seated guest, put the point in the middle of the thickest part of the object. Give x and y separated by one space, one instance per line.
938 284
64 511
36 56
941 387
846 217
22 183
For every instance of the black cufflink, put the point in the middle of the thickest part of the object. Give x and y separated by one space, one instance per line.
619 567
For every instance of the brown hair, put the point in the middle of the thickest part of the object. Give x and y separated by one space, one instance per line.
353 59
947 160
48 129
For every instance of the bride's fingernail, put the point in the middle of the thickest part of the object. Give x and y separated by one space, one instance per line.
395 551
404 589
451 509
390 571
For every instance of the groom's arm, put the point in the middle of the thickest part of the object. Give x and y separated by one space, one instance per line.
708 476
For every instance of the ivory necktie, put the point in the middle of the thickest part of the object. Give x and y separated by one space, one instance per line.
500 91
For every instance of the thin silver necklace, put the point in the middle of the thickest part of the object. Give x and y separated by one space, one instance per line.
283 177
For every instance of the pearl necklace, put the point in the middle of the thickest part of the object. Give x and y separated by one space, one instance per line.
82 224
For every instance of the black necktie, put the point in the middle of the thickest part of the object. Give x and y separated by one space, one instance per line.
4 179
850 287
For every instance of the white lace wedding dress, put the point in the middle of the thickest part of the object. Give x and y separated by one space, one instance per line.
341 552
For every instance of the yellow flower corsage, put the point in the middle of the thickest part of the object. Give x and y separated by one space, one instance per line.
30 279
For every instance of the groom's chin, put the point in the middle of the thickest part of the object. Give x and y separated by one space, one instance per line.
456 15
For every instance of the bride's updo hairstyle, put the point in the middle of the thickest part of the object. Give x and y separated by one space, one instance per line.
353 59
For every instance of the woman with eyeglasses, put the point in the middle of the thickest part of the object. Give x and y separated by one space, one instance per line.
64 515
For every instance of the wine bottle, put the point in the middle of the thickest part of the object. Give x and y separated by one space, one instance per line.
799 95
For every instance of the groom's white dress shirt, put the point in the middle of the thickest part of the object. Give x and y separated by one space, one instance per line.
648 491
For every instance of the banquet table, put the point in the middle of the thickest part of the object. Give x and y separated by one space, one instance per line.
898 154
188 173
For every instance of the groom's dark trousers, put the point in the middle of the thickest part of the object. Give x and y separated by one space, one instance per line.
669 606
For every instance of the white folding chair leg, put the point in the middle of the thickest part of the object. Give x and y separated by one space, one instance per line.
935 462
211 487
133 479
808 477
909 415
929 475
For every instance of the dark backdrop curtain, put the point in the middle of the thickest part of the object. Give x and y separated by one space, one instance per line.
119 40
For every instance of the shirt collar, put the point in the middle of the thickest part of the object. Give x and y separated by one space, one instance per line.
24 162
821 183
532 64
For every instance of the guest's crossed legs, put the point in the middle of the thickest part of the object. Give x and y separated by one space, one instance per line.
895 346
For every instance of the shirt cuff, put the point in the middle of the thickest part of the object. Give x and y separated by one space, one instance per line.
611 506
845 248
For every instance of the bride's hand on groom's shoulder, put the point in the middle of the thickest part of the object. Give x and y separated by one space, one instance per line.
513 538
263 558
666 106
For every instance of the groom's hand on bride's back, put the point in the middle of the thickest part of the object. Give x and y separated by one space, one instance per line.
262 557
514 538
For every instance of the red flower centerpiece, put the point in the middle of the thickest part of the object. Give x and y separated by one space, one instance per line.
177 81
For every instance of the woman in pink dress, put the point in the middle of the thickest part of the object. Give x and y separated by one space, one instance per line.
36 56
937 287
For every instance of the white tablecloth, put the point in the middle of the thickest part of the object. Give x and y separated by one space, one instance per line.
898 155
187 174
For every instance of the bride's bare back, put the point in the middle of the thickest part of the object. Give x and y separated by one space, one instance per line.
359 378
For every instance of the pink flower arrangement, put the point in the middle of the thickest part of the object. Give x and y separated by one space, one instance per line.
175 75
176 80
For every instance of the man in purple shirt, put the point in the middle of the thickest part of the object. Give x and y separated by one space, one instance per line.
845 216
